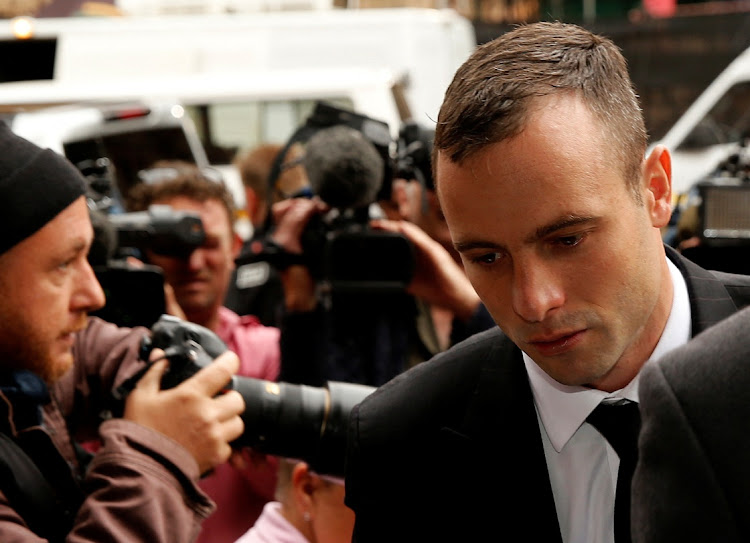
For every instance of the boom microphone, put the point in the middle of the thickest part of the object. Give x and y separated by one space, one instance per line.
344 168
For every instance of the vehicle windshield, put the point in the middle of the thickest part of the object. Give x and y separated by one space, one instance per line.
130 152
727 122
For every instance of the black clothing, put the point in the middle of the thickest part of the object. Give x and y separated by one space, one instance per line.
256 289
362 338
692 482
451 450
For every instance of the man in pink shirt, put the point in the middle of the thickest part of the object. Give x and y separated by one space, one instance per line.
196 285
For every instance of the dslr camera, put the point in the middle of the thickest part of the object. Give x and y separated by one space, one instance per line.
134 296
281 419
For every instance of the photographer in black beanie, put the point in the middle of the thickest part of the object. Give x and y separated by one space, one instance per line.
57 366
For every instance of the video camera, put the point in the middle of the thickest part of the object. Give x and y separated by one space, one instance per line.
134 295
281 419
348 159
723 214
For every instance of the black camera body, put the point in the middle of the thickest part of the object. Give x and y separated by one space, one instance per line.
160 229
134 295
346 254
282 419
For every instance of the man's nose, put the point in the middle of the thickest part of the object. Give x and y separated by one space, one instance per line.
89 295
536 290
196 260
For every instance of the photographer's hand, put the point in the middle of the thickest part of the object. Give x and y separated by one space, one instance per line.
438 279
193 413
290 219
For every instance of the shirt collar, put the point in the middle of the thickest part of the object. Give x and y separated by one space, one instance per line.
563 408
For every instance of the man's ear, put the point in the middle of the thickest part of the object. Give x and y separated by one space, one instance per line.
236 244
252 204
657 176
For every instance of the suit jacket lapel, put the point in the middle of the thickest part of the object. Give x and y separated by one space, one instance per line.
709 300
501 423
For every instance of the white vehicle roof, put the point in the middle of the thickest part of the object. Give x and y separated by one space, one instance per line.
371 91
428 44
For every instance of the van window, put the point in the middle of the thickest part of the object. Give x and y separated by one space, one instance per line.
130 152
27 60
727 122
227 127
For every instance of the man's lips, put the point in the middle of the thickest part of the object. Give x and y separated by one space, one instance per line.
557 343
68 336
191 282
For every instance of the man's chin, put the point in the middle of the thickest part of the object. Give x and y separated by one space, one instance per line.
59 367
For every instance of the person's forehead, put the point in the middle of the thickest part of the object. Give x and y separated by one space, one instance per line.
515 188
210 207
560 133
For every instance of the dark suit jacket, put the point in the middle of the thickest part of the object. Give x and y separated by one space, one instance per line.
451 450
692 482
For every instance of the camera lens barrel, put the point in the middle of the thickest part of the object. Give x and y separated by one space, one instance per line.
281 418
299 421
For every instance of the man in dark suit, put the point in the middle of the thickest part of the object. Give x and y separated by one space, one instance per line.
692 482
557 216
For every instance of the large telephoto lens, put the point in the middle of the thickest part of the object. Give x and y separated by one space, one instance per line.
299 421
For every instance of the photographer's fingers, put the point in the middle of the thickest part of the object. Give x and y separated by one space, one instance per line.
438 279
151 380
171 305
192 413
291 220
228 407
215 377
410 230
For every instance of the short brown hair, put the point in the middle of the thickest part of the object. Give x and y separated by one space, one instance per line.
188 181
490 96
255 167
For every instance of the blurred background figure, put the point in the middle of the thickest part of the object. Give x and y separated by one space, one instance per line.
444 318
196 286
369 333
309 509
256 287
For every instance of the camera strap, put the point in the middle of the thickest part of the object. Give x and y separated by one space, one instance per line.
31 495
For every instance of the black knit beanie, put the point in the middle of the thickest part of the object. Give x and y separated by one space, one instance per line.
35 185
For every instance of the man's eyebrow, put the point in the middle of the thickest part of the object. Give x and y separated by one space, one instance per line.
540 233
560 224
462 246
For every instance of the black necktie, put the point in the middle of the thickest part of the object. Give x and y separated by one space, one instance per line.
619 423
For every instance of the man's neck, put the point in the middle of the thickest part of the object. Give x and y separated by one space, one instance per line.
207 319
643 346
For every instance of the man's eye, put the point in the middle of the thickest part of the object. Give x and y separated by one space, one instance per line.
569 241
486 258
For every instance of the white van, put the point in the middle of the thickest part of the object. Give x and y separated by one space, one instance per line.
227 112
425 45
711 128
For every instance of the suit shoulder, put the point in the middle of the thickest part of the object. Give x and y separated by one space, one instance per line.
720 352
439 382
738 286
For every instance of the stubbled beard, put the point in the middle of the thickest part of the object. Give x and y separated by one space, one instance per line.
21 351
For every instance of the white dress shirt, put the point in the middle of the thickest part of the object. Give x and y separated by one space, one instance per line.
582 464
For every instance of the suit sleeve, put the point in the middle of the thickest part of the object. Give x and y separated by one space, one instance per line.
677 495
